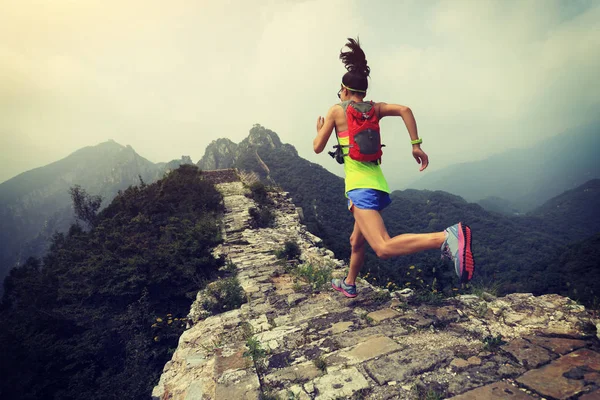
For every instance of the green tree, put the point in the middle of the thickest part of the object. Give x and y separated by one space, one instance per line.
85 205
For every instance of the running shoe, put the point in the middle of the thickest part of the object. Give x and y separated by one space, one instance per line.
457 247
340 286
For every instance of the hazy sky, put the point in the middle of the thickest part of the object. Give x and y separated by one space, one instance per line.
170 77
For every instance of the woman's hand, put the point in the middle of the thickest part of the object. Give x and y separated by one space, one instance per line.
325 127
421 157
320 122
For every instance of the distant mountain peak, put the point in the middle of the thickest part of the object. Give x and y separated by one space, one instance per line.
223 153
110 143
260 136
219 154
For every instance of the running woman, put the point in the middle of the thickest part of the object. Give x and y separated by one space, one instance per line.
367 190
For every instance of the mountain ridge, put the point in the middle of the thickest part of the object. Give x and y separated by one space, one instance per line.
525 177
36 203
320 195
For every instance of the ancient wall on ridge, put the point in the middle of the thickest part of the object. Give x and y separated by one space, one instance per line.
321 345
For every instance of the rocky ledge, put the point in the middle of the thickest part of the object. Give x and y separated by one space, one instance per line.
292 342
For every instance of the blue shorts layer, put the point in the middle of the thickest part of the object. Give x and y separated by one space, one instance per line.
368 199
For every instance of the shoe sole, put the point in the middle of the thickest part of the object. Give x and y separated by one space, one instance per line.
340 289
467 262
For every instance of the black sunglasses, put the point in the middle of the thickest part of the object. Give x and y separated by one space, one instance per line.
339 93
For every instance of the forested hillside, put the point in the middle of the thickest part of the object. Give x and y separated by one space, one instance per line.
101 317
36 203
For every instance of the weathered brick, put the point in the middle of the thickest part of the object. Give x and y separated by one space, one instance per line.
497 390
557 345
383 314
529 355
550 380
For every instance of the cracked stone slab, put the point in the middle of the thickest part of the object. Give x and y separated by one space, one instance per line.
591 396
296 391
194 360
557 345
383 314
550 380
497 390
340 384
235 360
459 364
494 369
405 364
339 327
350 338
529 355
250 289
295 298
593 377
373 346
295 373
195 391
274 336
246 387
260 324
305 312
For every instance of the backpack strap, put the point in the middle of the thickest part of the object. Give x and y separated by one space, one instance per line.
338 154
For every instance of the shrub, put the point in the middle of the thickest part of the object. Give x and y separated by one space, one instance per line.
262 215
317 277
223 295
259 193
290 251
261 218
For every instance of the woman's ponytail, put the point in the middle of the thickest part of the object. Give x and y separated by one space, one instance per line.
355 62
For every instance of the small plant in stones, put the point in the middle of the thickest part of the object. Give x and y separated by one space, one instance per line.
320 363
317 276
492 343
290 251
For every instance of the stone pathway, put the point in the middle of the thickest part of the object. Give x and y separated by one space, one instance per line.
321 345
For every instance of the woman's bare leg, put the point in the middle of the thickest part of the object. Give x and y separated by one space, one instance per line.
357 255
372 228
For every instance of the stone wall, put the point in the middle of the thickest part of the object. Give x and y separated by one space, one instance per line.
219 176
321 345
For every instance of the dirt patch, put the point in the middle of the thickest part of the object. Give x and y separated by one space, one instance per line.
283 284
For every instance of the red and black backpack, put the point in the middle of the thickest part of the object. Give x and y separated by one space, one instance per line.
363 133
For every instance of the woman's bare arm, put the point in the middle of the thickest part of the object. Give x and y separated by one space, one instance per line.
324 128
397 110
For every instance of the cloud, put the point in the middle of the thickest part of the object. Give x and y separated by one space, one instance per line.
481 76
495 77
